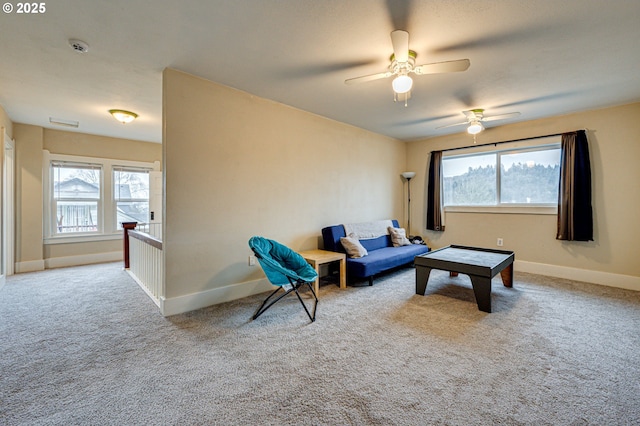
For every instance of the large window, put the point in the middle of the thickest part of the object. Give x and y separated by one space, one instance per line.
89 198
514 177
131 194
76 197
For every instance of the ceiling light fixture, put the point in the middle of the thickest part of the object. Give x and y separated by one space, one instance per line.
475 127
123 116
402 84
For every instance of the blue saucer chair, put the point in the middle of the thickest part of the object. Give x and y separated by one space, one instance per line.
284 268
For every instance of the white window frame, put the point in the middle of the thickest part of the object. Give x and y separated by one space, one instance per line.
107 208
508 148
130 169
53 204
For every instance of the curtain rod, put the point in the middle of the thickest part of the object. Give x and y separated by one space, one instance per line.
511 141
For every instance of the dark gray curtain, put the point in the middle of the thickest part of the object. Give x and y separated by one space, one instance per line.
575 216
434 193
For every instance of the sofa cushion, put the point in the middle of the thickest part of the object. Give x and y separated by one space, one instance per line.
398 237
383 259
353 247
372 244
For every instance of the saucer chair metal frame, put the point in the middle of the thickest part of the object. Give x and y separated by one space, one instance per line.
286 269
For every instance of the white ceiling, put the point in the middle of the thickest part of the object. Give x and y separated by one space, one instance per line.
539 57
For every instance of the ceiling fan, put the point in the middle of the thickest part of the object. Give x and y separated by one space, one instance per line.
476 117
403 63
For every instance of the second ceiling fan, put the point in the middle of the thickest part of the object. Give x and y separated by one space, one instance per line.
475 118
403 63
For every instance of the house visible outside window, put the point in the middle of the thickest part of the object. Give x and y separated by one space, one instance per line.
76 197
516 177
131 195
88 198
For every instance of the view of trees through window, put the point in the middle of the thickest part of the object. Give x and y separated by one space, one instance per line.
502 178
131 193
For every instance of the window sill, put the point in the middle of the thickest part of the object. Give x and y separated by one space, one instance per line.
82 238
519 209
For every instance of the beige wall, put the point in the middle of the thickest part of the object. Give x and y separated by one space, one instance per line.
614 148
237 165
28 158
31 253
70 143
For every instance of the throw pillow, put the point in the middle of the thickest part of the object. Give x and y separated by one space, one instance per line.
353 247
398 237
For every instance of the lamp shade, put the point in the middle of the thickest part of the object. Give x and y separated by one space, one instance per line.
123 116
475 128
402 83
408 175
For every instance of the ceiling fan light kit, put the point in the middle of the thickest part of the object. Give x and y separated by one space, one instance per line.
402 84
475 127
475 118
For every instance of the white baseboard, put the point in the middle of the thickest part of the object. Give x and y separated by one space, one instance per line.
83 259
214 296
191 302
29 266
595 277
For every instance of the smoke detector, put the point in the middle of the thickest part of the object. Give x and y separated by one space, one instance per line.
79 45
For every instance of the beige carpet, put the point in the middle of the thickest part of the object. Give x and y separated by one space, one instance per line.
86 346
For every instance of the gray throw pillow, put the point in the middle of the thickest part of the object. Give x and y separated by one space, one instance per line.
398 237
353 247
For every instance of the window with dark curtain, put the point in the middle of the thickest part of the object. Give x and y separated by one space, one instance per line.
434 193
575 215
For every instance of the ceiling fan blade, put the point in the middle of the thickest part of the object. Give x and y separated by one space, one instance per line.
400 41
366 78
442 67
452 125
501 116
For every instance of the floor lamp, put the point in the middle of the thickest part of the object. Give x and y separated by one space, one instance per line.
408 176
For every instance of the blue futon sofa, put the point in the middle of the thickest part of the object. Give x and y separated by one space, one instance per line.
382 255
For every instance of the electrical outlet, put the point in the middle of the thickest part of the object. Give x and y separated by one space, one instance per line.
500 242
252 260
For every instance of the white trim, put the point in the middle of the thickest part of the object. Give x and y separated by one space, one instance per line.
29 266
82 259
214 296
609 279
66 239
8 206
515 209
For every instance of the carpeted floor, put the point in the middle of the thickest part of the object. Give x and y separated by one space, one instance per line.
85 346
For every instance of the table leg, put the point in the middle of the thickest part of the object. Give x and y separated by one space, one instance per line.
422 276
316 283
507 276
482 290
343 274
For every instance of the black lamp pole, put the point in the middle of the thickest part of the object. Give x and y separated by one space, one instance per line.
409 206
408 176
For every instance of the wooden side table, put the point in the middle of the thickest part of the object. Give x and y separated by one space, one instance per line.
316 258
